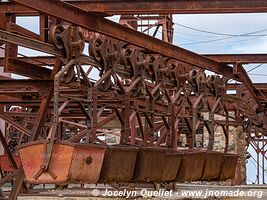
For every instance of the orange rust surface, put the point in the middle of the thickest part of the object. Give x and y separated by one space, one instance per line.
70 163
32 158
5 164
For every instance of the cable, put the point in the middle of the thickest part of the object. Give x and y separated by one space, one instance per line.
255 165
206 41
195 35
222 34
240 40
251 71
255 68
180 37
259 165
257 74
225 38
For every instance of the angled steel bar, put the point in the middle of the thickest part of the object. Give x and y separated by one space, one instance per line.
15 124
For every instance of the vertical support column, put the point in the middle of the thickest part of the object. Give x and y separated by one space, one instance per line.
152 124
125 127
11 50
133 127
92 136
4 19
240 150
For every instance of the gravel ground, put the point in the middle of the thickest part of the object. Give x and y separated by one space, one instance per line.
250 192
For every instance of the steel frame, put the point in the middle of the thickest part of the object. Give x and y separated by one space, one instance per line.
147 92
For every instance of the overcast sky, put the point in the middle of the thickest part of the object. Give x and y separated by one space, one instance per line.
232 24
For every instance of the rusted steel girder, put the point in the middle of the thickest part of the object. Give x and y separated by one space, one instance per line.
88 21
36 60
7 37
223 58
259 86
112 7
27 69
171 6
240 58
7 7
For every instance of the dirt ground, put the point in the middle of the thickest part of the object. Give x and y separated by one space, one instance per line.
99 193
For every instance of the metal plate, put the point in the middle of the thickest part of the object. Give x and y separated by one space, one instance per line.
119 164
172 163
228 167
213 161
191 167
86 163
149 165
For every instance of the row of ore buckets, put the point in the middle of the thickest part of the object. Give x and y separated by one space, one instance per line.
92 163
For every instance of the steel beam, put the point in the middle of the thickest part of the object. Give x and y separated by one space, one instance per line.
20 83
88 21
259 86
240 58
171 6
35 60
223 58
7 7
7 37
27 69
112 7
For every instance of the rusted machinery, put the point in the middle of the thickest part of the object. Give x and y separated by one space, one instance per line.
146 92
128 79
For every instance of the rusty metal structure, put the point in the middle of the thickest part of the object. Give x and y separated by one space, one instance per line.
147 92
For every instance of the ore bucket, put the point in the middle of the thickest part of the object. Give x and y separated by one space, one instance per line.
172 163
119 163
213 161
150 164
191 167
69 163
228 167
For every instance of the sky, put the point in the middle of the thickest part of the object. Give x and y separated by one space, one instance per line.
251 28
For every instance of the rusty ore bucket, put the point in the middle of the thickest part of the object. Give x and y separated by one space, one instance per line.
213 161
172 163
119 163
70 162
150 164
5 164
228 167
192 165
